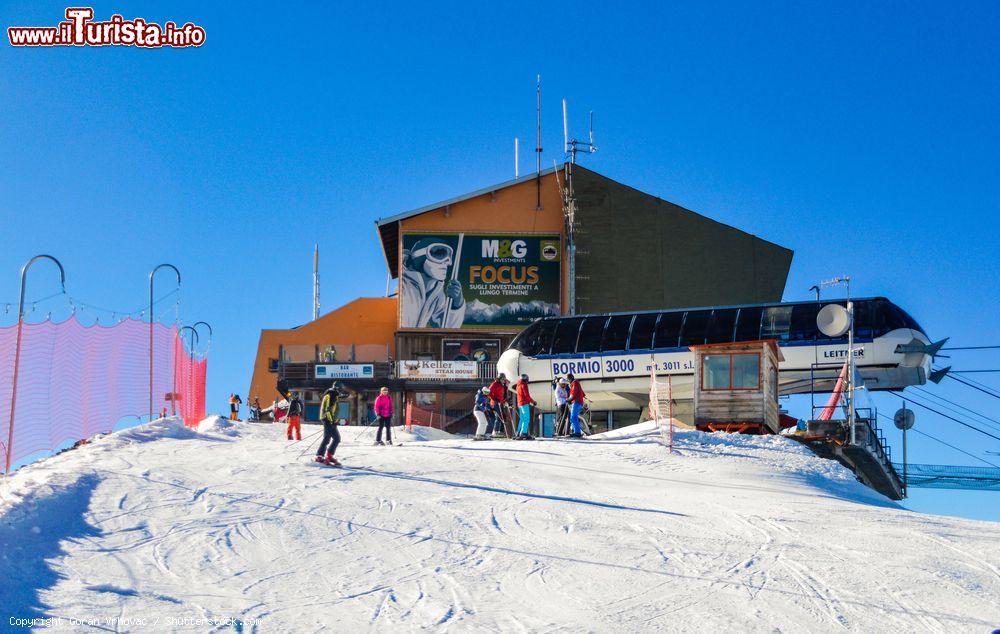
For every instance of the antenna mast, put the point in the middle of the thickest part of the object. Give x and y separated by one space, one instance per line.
516 161
572 146
315 282
538 143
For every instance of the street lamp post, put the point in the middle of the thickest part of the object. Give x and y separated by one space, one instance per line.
17 346
151 275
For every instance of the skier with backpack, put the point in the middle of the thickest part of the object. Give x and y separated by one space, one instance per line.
332 398
524 404
294 416
234 406
481 412
561 395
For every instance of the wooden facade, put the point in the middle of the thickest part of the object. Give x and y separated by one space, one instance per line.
739 404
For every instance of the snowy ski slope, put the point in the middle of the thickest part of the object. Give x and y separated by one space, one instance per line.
165 529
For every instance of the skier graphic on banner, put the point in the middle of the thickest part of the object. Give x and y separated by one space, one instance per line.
429 297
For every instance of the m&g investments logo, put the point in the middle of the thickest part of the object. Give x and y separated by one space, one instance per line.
80 29
549 250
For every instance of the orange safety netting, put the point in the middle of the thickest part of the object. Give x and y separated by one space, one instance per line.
838 390
189 384
75 381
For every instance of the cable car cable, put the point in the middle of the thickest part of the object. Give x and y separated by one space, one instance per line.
970 411
910 399
936 439
983 390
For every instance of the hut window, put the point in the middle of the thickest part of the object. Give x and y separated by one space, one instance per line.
715 372
736 371
746 371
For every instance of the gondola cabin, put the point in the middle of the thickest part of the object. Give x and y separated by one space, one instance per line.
736 387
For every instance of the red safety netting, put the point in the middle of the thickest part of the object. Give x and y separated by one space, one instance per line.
75 381
189 384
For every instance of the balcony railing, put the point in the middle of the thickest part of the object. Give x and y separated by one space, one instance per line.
303 372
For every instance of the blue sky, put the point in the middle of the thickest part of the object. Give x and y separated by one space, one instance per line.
863 136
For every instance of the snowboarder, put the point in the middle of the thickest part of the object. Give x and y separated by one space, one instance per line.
294 416
524 403
576 396
561 395
331 435
255 410
383 414
481 412
234 406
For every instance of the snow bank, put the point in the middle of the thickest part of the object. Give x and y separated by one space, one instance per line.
423 434
217 424
639 430
170 427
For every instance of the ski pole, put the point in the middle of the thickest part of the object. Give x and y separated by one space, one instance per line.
301 439
309 448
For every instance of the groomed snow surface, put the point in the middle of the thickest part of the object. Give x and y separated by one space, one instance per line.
228 527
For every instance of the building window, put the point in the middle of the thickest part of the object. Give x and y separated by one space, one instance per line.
695 328
590 335
777 321
667 330
642 332
616 333
735 371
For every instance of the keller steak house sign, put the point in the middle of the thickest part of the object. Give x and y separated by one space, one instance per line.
437 369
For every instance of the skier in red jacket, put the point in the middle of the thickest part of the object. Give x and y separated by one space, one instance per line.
524 403
576 396
498 398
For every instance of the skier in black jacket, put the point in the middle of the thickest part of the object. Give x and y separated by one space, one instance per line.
331 435
294 416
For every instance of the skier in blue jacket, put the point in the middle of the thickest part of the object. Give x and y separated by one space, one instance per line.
481 411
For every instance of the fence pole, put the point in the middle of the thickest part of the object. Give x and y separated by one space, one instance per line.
17 347
670 408
210 334
151 274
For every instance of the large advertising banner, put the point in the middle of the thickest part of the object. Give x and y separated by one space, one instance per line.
464 280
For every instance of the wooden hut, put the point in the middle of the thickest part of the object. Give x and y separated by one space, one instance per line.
736 387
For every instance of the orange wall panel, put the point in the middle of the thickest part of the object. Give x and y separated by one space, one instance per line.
368 320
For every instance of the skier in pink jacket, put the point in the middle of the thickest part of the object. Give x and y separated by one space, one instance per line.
383 414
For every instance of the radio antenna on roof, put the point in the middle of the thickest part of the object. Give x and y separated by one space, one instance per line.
538 143
516 162
572 146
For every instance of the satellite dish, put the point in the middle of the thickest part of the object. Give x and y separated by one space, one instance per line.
833 320
903 419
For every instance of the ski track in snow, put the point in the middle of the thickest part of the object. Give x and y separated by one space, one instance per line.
608 535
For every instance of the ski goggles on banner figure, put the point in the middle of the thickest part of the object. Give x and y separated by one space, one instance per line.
439 253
